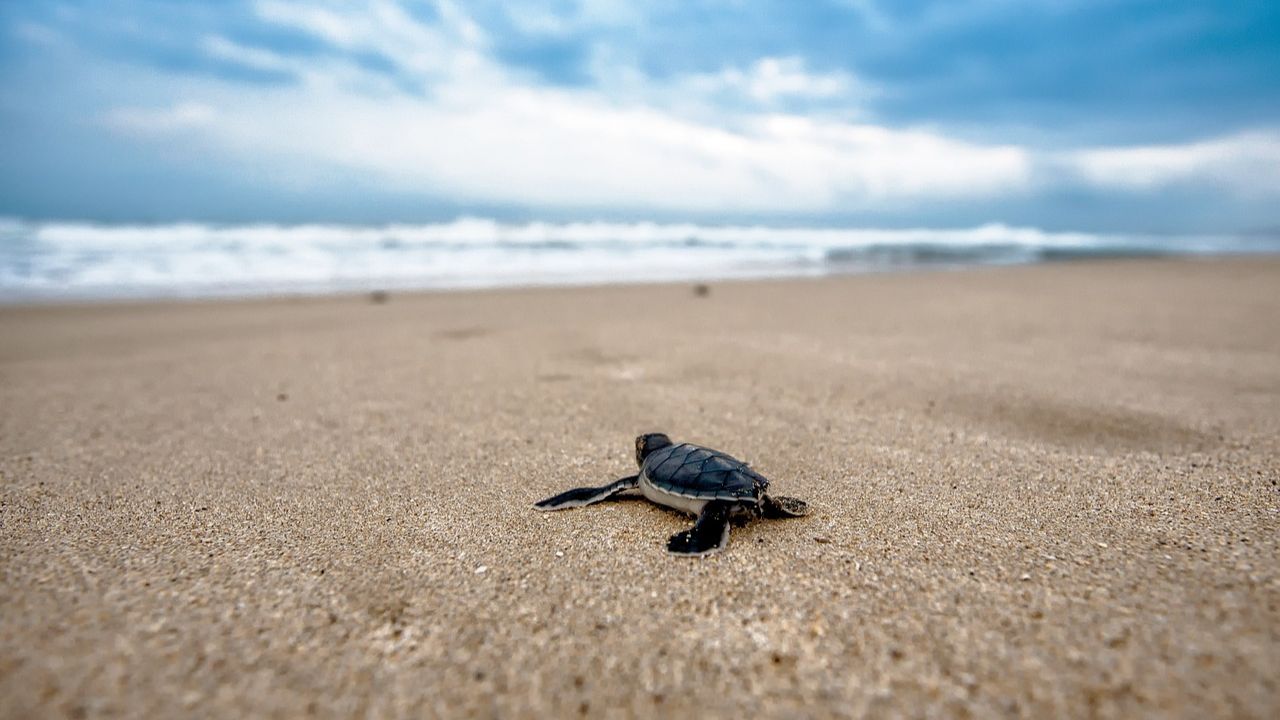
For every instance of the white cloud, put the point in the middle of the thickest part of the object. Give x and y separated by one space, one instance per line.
256 58
770 79
453 47
341 30
1247 164
482 132
161 120
553 147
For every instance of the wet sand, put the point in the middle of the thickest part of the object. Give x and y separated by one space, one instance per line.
1038 491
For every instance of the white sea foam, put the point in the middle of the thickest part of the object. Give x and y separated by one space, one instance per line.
85 260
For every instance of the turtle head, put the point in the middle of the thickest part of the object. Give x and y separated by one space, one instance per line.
649 442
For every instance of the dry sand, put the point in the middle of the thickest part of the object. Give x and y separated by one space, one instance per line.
1038 491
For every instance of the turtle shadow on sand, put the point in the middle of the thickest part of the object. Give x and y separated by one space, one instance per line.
715 487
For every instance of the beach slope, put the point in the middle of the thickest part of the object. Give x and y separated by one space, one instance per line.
1039 491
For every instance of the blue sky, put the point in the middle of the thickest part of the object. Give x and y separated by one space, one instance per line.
1139 115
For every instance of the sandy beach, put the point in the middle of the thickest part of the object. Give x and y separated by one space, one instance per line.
1037 491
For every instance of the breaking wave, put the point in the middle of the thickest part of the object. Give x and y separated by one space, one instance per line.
86 261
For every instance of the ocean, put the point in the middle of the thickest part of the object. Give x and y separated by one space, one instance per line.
87 261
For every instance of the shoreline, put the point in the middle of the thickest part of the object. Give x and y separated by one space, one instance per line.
132 297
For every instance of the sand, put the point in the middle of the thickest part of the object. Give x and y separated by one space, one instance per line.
1038 491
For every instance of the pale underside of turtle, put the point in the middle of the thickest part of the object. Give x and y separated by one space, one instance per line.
707 483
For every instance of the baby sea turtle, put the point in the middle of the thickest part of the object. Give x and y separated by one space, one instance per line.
704 482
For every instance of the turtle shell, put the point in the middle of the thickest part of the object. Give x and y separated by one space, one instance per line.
696 472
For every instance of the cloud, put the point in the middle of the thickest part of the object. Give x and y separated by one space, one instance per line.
220 48
770 79
163 120
556 148
597 108
484 133
451 45
1246 164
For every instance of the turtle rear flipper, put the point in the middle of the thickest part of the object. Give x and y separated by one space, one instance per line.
710 534
588 495
781 506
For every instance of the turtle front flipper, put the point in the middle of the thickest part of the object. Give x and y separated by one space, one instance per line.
586 496
710 534
781 506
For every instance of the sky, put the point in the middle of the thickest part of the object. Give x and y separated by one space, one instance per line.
1158 116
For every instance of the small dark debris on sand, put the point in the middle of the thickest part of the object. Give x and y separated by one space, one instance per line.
701 290
379 297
